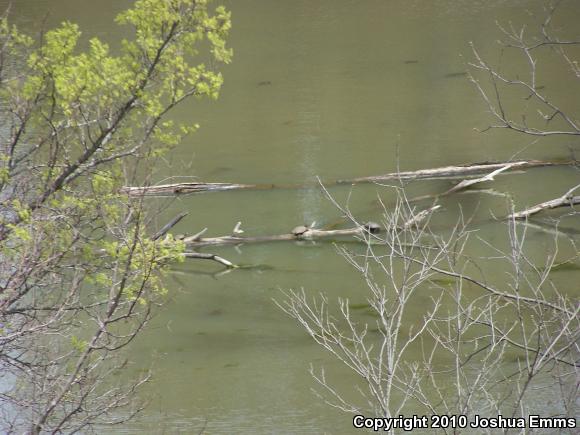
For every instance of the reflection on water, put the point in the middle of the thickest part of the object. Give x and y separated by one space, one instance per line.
329 88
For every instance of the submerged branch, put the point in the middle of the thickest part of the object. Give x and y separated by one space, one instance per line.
213 257
566 200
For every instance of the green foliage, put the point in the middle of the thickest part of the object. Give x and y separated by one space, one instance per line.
78 344
111 105
80 123
153 72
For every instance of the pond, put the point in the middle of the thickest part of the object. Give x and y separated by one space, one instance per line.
334 89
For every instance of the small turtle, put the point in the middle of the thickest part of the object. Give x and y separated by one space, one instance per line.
300 230
372 227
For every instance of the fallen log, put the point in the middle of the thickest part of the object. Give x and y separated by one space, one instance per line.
299 233
566 200
188 187
302 232
489 169
459 171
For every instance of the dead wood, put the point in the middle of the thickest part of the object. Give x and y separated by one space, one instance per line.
169 225
566 200
488 169
419 217
179 188
489 177
307 234
213 257
301 233
459 171
468 182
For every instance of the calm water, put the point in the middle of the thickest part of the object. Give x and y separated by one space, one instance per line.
336 89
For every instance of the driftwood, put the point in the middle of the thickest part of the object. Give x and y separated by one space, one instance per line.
299 233
308 234
302 232
566 200
487 171
188 187
459 171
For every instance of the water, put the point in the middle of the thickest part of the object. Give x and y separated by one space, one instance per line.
331 89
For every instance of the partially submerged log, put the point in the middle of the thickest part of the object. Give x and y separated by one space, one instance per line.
302 232
566 200
459 171
488 169
296 234
188 187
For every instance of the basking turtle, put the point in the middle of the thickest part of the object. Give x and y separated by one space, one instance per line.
300 230
372 227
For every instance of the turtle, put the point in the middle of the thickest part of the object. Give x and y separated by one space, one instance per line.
372 227
300 230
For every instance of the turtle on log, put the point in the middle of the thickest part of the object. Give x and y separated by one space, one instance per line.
372 227
299 230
